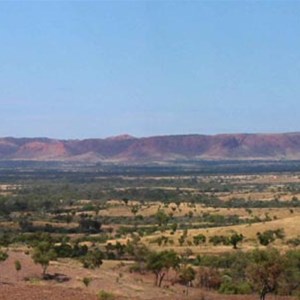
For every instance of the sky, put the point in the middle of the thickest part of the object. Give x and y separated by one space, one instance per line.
93 69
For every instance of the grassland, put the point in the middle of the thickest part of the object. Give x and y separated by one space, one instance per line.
159 211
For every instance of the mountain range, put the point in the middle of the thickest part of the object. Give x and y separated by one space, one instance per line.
125 148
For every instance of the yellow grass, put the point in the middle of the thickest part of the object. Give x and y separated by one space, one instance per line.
290 225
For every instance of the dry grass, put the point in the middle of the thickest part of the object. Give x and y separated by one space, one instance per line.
113 277
290 225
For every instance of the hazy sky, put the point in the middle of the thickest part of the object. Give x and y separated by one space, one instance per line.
96 69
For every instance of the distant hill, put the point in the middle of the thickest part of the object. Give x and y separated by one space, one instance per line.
126 148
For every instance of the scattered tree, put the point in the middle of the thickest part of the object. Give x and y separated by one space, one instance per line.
43 253
93 259
162 218
199 239
187 275
135 209
18 266
265 271
160 263
235 238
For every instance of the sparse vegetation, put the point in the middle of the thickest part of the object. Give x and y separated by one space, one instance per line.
86 281
42 254
159 228
103 295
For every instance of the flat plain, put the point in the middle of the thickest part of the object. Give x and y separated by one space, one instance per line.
194 215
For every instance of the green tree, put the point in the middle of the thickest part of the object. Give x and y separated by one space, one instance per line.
265 271
42 254
199 239
291 275
138 251
266 237
135 209
161 262
235 238
18 266
174 227
219 239
125 200
89 225
187 274
93 259
181 239
185 256
270 236
162 218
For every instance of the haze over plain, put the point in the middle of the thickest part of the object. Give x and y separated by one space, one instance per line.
97 69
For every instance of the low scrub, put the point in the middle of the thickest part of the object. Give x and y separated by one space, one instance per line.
103 295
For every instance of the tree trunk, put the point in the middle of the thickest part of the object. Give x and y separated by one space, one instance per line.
263 295
187 290
44 271
156 279
161 277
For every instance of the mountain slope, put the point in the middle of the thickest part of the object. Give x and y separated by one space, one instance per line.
159 148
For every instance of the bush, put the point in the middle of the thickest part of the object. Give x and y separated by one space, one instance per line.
137 268
270 236
103 295
219 239
86 281
93 259
294 242
240 288
199 239
3 256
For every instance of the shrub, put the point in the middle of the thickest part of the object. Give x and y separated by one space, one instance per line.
137 268
270 236
199 239
86 281
240 288
3 256
219 239
18 265
93 259
103 295
294 242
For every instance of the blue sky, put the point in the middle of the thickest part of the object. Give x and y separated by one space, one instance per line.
80 69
